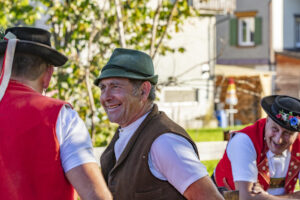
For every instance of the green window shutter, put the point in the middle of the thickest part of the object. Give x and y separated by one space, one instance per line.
233 32
258 31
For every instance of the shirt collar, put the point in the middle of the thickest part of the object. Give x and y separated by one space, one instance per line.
134 125
284 154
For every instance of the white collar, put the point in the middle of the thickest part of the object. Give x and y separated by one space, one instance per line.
284 154
133 126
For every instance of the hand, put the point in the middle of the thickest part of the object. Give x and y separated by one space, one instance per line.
257 189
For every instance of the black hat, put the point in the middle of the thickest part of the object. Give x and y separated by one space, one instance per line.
284 110
35 41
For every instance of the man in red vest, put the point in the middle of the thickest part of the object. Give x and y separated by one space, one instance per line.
45 149
262 161
150 156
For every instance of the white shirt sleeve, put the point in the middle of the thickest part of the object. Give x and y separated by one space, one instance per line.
173 158
74 139
242 155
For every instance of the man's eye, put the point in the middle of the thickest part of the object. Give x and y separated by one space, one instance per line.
286 134
102 88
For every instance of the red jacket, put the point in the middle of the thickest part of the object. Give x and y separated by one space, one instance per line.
30 166
256 133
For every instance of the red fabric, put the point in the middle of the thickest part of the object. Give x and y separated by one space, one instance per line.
30 166
223 170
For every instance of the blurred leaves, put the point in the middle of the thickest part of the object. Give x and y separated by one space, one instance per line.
86 31
17 12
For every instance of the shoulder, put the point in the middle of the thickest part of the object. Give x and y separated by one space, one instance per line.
172 146
170 140
240 140
243 144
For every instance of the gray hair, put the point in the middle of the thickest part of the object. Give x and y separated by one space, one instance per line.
137 84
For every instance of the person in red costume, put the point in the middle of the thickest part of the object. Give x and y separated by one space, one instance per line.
45 149
262 161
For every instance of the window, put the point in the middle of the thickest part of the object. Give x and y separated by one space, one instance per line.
246 30
297 33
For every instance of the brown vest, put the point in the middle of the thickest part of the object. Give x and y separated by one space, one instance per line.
130 177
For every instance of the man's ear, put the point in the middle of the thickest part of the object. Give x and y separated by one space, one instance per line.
145 90
47 76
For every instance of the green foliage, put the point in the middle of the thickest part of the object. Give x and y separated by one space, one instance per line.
87 32
210 165
17 12
2 33
210 134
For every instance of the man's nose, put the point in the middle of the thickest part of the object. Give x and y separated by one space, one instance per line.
105 95
278 137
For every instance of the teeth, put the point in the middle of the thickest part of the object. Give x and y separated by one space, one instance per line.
112 106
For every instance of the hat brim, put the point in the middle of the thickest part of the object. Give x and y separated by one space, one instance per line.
266 104
121 73
50 55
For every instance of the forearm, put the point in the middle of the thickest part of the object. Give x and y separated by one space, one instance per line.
261 197
88 182
203 188
254 191
295 195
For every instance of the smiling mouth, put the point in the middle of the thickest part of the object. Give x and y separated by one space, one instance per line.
277 145
112 106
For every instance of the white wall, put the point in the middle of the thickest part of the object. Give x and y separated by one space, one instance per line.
284 23
290 8
277 25
197 37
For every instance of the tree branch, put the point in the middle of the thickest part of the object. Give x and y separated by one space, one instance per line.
167 25
120 24
154 27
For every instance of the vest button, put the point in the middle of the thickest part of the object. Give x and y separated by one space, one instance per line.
290 173
264 168
292 163
295 167
297 154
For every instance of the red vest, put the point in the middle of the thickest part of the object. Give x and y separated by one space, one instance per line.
30 166
256 134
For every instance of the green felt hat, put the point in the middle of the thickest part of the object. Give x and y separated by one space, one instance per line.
128 63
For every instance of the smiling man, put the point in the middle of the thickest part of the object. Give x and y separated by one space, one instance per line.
262 161
150 156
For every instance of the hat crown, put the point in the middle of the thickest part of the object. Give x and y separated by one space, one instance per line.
288 104
284 110
129 63
131 60
34 41
31 34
